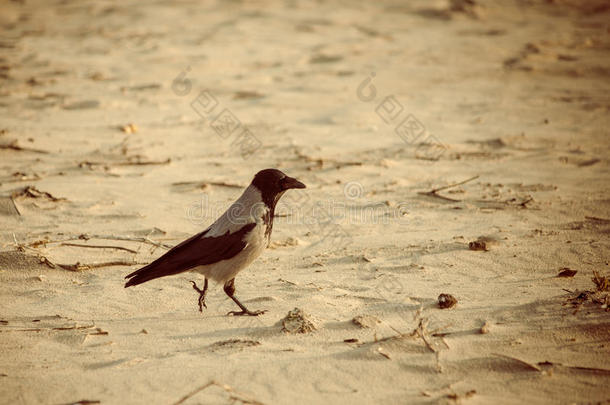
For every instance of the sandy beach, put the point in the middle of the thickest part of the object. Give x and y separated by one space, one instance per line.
449 147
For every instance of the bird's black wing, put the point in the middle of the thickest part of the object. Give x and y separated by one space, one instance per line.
196 251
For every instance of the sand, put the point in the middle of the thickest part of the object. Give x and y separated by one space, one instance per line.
110 137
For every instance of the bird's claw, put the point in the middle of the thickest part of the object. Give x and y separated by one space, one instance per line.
202 303
200 291
201 300
244 313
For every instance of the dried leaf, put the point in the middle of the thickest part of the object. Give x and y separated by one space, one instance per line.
601 282
567 272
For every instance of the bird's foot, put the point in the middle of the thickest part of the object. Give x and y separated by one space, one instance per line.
246 312
201 302
201 292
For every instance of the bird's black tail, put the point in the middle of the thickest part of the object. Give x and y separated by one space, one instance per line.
159 268
142 275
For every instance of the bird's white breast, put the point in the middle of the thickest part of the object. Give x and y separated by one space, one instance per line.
249 208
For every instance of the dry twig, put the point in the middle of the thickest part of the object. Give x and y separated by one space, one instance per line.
135 161
33 192
15 206
56 328
88 266
99 247
433 192
204 184
106 237
13 145
234 396
423 334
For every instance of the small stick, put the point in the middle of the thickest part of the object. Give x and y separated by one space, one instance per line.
15 205
421 332
524 203
205 184
20 330
507 202
99 247
433 192
73 327
14 146
597 219
435 331
339 165
592 369
107 237
126 163
33 192
380 351
129 238
138 162
20 177
400 334
41 329
234 395
80 267
190 394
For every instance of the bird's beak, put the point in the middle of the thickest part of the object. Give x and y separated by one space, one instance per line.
291 182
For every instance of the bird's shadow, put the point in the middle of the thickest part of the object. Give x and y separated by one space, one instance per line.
254 328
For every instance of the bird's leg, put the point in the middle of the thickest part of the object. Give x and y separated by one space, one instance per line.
230 290
201 294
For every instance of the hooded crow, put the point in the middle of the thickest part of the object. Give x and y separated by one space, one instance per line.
230 244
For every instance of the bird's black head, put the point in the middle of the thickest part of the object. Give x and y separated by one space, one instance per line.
272 183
